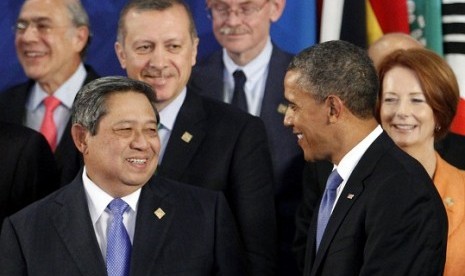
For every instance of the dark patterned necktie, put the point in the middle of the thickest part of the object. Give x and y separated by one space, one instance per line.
239 98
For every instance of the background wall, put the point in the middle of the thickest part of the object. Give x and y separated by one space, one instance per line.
293 32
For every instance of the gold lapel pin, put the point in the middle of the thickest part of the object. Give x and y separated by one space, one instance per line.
282 108
350 196
159 213
448 201
187 137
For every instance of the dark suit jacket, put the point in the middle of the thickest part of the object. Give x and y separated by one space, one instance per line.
27 168
55 236
389 220
228 152
452 149
287 157
13 110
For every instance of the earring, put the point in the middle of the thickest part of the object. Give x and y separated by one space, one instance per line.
437 128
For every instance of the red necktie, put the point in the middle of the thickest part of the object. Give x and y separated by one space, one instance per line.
48 127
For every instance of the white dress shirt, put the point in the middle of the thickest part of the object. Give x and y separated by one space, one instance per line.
167 119
351 159
256 72
35 108
97 201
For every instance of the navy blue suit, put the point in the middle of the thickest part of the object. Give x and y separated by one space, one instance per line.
216 146
287 157
13 110
389 219
55 236
28 170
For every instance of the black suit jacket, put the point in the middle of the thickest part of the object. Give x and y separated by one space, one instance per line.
452 149
228 151
287 157
13 110
28 169
389 220
55 236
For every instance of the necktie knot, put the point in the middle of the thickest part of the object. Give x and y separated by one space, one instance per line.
51 103
117 207
239 78
239 99
334 180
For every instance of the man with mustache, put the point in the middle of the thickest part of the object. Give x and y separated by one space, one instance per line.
242 28
203 142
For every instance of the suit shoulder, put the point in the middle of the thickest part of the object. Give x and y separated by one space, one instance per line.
182 191
226 111
91 73
14 92
41 209
17 133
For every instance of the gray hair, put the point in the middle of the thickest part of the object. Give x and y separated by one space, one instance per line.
342 69
90 102
79 18
157 5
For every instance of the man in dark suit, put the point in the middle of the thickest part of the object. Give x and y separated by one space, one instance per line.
383 216
243 30
28 169
204 142
169 227
51 39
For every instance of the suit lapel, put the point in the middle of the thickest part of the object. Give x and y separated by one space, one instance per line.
74 227
207 77
187 134
274 105
154 218
352 191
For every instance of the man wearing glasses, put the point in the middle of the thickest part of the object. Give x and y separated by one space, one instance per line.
250 60
51 37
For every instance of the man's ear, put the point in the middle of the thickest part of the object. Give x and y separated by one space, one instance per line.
335 106
81 37
120 54
80 135
277 9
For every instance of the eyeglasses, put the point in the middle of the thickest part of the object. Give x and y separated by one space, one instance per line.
222 11
42 28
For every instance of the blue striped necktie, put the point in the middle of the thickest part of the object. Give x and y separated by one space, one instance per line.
118 242
326 205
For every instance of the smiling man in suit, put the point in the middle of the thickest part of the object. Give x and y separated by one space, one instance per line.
164 227
205 142
380 214
51 37
242 28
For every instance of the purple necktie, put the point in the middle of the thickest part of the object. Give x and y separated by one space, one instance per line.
326 205
118 242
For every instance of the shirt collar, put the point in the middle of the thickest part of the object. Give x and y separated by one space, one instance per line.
350 160
65 93
98 200
251 69
170 112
